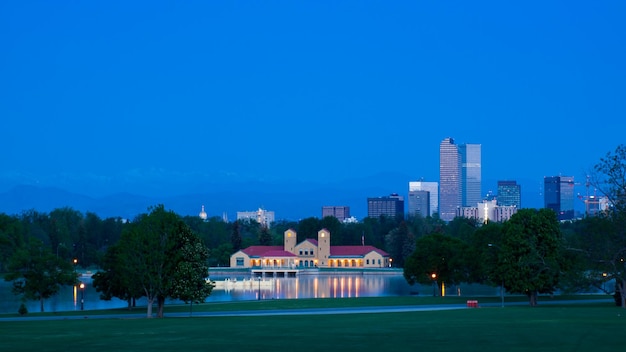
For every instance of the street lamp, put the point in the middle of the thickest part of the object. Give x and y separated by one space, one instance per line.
502 286
82 296
433 276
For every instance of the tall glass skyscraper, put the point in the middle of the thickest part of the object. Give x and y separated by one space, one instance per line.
558 192
460 177
471 174
450 197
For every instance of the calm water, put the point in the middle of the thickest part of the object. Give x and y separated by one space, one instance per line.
306 286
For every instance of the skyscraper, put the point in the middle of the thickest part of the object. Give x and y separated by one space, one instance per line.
432 188
459 177
471 174
558 194
392 206
509 194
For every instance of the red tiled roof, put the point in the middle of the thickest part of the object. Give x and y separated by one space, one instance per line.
280 253
259 251
347 251
340 251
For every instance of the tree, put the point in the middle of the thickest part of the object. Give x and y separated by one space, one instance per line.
530 258
265 237
191 272
437 259
235 237
164 257
609 177
37 273
115 280
400 244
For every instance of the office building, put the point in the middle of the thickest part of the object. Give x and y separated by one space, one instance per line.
471 174
509 194
419 203
341 213
432 188
449 179
558 192
391 206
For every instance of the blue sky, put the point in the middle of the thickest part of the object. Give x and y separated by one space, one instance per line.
154 96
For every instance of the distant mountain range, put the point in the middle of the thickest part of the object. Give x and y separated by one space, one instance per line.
289 201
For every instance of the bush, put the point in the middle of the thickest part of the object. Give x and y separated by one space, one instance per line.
22 310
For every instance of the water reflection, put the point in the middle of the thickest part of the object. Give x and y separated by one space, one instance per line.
305 286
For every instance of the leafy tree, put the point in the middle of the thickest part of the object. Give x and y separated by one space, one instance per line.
154 249
191 271
437 259
11 238
115 280
235 237
530 259
609 177
37 273
265 237
220 256
483 249
308 228
400 243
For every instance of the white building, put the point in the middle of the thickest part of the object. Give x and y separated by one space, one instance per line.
261 216
487 210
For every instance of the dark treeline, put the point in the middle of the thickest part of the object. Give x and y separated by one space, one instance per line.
83 238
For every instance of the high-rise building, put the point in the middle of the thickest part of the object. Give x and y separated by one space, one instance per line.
419 203
471 174
391 206
509 194
558 194
432 188
460 177
341 213
449 179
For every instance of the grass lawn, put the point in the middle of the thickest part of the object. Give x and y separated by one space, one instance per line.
548 327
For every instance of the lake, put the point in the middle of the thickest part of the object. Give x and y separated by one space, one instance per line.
239 288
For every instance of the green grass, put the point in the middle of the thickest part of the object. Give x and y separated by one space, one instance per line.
549 327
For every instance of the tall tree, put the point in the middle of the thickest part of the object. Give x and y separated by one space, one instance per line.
115 280
609 177
235 237
37 273
530 258
265 237
437 259
161 252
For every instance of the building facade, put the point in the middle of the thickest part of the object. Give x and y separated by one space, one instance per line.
261 216
509 194
471 174
432 188
391 206
449 179
558 194
341 212
487 210
310 253
419 203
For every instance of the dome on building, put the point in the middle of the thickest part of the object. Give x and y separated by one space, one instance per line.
202 214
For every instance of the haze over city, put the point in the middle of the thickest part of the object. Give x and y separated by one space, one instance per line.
294 105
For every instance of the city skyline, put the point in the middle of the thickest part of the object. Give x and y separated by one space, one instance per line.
227 100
